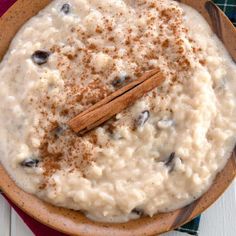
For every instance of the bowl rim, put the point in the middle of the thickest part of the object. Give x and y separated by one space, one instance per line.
75 223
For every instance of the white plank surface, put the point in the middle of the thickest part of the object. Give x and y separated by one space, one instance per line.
5 217
18 227
218 220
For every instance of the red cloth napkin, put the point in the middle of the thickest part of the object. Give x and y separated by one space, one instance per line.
4 5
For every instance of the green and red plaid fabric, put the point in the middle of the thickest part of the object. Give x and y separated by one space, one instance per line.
229 7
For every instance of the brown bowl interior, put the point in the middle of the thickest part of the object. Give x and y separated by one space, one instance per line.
75 223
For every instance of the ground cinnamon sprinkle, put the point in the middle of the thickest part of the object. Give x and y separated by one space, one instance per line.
152 5
92 46
202 62
109 28
98 30
93 138
51 162
165 44
84 83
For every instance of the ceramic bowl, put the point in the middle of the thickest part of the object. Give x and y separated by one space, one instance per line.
75 223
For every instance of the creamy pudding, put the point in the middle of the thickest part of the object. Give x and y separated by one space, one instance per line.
156 156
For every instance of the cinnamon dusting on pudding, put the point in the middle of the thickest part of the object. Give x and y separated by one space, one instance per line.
86 85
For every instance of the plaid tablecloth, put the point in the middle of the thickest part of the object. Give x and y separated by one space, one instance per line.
229 7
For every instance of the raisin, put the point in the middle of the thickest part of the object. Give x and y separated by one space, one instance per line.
65 8
121 80
138 211
40 57
143 117
57 132
170 161
30 162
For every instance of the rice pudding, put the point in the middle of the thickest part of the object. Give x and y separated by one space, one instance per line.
156 156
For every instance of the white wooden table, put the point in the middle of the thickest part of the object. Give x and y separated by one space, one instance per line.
218 220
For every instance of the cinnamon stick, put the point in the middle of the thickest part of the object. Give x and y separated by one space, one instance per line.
116 102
